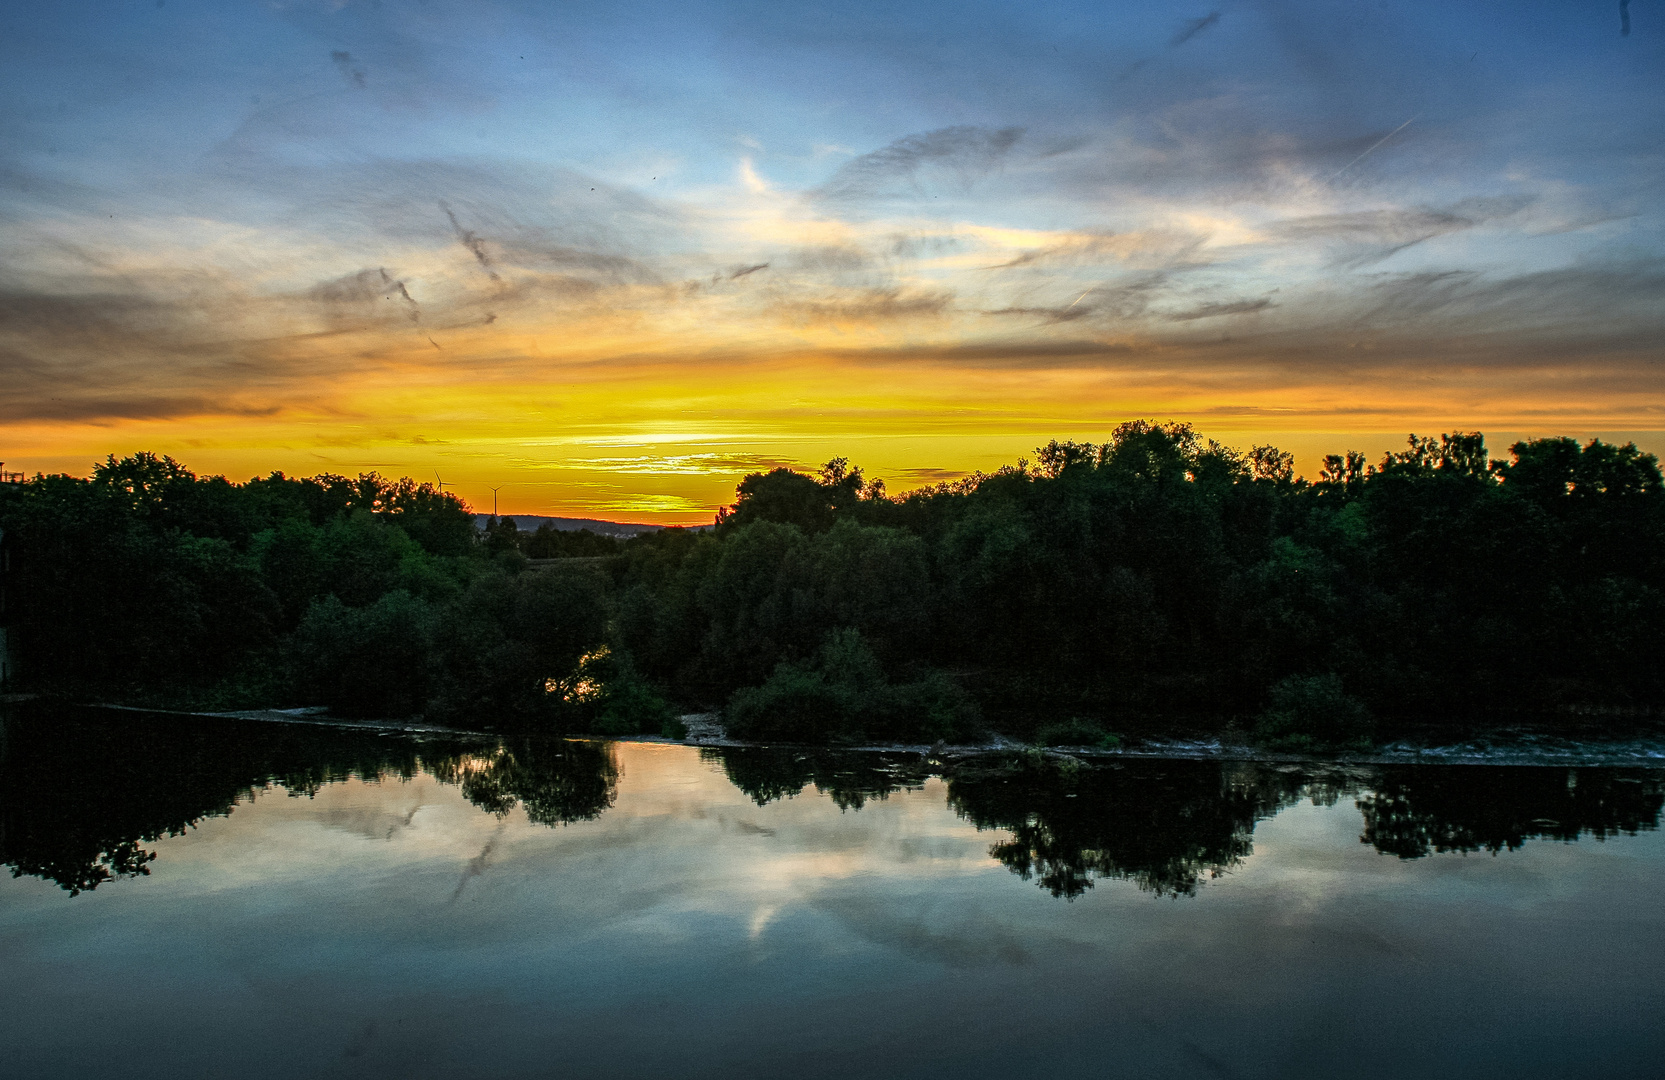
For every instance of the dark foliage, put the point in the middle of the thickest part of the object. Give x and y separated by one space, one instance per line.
1155 575
377 598
1160 574
548 542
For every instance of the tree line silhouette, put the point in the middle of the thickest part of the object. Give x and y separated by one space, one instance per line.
1160 574
1099 587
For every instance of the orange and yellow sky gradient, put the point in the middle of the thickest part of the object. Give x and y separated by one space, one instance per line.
608 263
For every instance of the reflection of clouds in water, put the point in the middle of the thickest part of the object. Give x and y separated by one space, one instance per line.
684 847
875 941
375 823
760 920
921 931
477 865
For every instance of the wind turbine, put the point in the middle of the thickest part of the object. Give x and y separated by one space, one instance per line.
494 492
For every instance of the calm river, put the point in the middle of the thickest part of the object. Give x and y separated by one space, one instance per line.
252 900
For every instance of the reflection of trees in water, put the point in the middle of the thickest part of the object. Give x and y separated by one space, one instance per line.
1416 810
82 792
1164 825
1168 825
558 782
767 773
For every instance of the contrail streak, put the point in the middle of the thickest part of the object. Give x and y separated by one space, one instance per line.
1373 146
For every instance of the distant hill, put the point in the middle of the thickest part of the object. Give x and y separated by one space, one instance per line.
530 523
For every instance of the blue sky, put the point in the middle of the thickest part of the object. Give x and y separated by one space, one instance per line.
676 218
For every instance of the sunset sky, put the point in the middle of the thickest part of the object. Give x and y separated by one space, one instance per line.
611 257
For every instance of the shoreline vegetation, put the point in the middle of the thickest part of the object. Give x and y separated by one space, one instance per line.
1100 596
1641 746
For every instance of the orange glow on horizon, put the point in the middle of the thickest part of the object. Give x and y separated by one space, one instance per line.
664 440
650 402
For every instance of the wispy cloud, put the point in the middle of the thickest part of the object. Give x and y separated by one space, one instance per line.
345 222
1230 307
1194 27
1362 238
702 464
959 155
1146 249
864 306
353 73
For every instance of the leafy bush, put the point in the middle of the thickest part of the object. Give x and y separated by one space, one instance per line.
844 697
1313 712
930 709
796 703
372 661
513 646
1076 731
630 705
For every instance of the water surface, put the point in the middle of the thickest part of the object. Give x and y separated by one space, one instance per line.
209 899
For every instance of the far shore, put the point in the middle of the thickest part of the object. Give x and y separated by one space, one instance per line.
1510 746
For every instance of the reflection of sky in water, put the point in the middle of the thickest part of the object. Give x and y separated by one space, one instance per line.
394 929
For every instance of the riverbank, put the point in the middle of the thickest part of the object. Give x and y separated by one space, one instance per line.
1516 745
316 716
